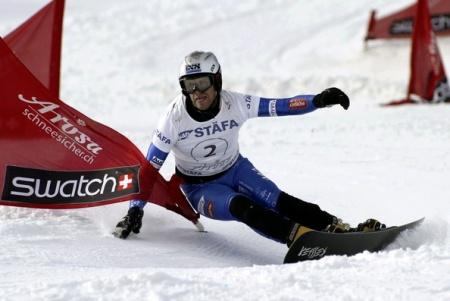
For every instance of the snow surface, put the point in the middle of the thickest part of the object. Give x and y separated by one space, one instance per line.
120 64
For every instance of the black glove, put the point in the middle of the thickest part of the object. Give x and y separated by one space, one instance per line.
130 222
331 96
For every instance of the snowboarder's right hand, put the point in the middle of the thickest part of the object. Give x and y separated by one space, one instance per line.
331 96
130 222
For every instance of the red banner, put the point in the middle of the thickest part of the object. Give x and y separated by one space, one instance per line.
401 24
37 43
53 156
428 81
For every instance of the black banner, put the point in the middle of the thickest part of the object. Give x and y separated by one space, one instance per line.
68 187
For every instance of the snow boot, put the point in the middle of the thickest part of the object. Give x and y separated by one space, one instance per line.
337 226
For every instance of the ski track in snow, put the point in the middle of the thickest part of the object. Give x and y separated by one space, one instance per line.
120 62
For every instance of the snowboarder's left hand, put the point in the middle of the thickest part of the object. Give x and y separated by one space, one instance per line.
132 222
331 96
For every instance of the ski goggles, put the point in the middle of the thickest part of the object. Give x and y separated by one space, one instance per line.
201 84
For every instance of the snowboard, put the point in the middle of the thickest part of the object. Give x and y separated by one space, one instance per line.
315 244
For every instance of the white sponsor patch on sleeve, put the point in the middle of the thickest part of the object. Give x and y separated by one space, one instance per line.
273 107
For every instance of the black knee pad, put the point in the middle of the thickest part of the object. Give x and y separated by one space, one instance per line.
240 206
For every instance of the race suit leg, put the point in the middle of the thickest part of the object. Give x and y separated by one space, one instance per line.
220 202
249 181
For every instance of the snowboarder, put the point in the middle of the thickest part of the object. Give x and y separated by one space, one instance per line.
201 127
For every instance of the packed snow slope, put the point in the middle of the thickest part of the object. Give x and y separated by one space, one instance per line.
120 65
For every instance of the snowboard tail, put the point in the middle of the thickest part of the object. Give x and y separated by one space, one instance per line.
315 244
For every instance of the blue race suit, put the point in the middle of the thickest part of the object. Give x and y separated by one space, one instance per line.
236 175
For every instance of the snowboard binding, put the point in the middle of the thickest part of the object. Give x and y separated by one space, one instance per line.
338 226
370 225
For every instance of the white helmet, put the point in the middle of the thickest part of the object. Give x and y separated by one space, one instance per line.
200 63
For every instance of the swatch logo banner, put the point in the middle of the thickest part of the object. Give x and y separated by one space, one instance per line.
65 187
